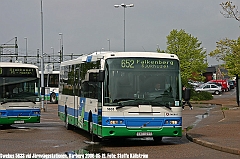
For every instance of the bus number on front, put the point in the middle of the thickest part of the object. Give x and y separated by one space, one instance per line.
110 109
128 63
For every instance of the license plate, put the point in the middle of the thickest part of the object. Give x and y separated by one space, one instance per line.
19 122
144 133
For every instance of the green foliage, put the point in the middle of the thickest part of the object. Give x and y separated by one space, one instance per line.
192 56
198 96
228 51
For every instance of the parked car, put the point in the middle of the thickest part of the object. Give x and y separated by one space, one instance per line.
231 84
208 87
218 84
195 83
225 85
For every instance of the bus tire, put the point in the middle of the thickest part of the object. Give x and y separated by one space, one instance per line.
67 125
53 98
94 137
157 139
7 126
90 123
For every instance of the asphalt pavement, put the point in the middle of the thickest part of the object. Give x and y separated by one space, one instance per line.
218 127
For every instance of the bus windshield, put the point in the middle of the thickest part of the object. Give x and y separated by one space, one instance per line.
19 89
142 81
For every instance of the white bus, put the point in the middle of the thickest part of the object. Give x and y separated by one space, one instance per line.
112 95
19 93
51 81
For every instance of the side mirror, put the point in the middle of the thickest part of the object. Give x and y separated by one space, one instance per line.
187 94
42 90
101 75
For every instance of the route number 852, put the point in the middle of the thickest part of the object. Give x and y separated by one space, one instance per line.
127 63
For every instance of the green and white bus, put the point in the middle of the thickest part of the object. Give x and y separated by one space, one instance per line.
19 93
51 81
111 94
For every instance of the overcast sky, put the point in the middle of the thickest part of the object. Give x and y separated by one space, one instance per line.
86 25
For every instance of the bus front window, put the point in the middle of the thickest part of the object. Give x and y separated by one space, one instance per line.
137 85
18 89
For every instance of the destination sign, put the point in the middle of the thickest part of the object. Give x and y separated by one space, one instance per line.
144 63
17 72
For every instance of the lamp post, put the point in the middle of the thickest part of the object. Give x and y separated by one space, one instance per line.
61 47
108 44
25 60
124 7
53 57
205 50
42 63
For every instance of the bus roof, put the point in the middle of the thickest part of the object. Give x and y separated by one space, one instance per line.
12 64
105 55
52 72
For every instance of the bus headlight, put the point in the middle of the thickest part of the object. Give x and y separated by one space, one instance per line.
36 113
172 122
115 121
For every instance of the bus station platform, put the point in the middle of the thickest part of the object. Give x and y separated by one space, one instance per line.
219 127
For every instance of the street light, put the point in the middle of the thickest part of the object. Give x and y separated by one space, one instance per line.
205 50
61 47
108 44
25 60
124 6
53 51
53 56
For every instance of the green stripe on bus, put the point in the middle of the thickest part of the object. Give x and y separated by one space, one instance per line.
16 120
124 131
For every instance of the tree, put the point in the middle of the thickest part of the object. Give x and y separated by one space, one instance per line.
192 56
228 51
230 10
223 48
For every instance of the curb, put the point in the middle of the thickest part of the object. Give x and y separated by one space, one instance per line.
213 146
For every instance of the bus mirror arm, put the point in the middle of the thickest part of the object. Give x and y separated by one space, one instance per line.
101 75
42 90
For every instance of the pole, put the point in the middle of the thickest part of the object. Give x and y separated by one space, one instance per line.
108 44
25 61
237 89
61 47
124 28
42 65
124 7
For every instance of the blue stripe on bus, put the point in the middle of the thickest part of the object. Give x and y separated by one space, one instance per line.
141 121
20 112
129 121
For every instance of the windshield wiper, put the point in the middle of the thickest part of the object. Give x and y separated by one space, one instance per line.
167 106
31 101
132 102
3 102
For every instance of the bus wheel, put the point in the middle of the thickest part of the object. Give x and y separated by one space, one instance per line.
67 125
94 137
53 98
90 124
157 139
6 126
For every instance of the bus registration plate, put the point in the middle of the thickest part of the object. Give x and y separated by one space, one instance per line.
19 122
144 133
